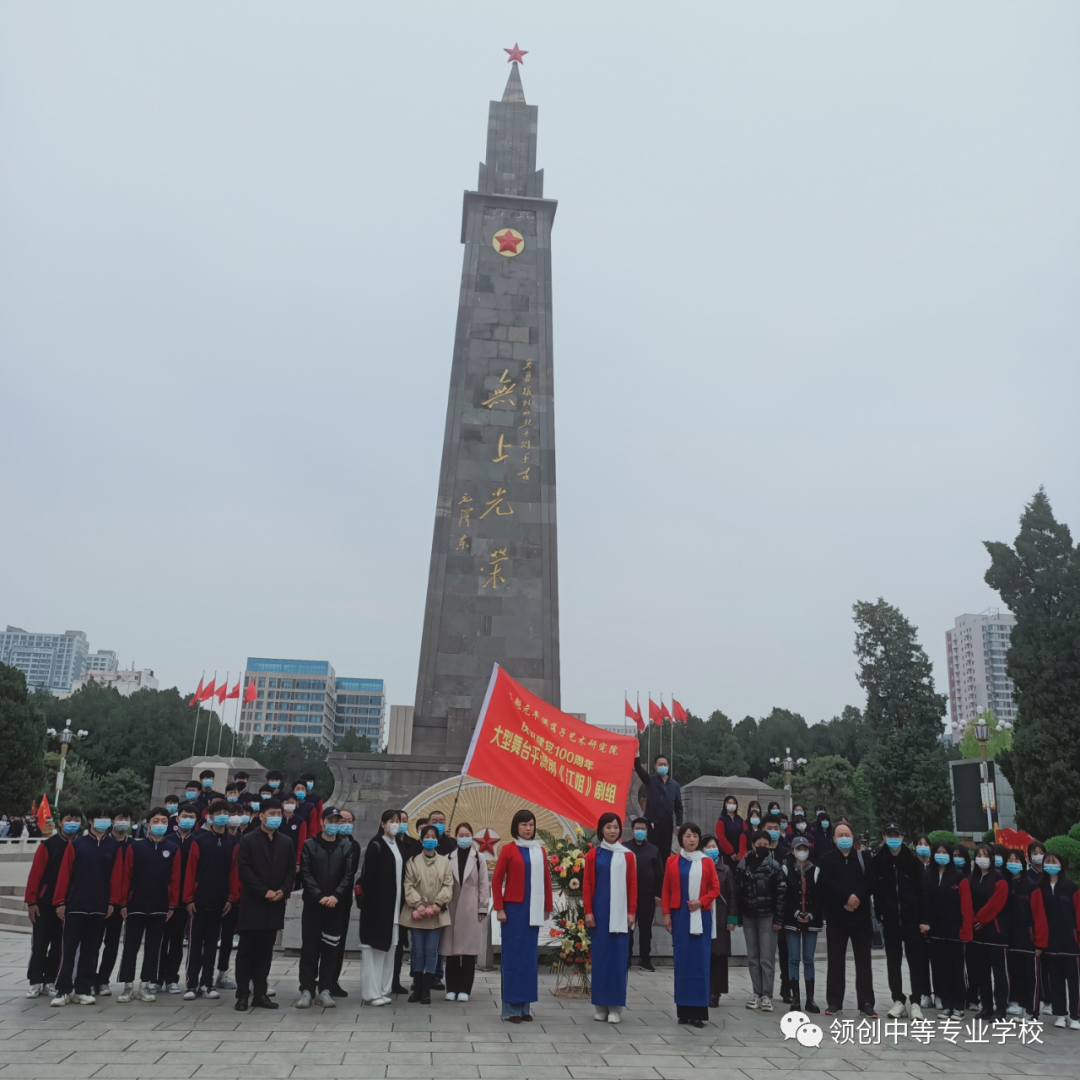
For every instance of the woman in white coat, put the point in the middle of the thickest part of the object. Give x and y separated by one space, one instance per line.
461 940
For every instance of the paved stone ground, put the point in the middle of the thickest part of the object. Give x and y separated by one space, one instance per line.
173 1040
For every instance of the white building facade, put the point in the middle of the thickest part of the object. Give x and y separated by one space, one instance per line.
125 682
976 648
52 661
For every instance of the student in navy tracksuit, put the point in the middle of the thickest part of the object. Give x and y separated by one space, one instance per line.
114 924
294 827
48 930
731 833
948 930
152 870
211 887
206 794
1022 961
1055 912
987 892
316 804
89 886
172 947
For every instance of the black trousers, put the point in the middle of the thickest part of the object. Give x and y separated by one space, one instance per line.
460 972
321 933
254 955
836 940
228 930
172 947
1023 980
660 836
399 955
947 960
718 975
110 946
1064 974
46 940
643 929
202 946
785 979
901 938
989 967
82 939
153 926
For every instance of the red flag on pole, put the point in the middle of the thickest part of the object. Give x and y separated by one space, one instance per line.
655 715
664 711
250 692
43 812
234 692
635 715
209 692
679 711
197 696
222 690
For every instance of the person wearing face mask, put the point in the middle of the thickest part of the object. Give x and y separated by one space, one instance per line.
847 885
242 781
900 905
172 947
47 930
152 894
987 893
1036 853
461 940
445 847
761 888
345 836
731 833
779 849
801 917
609 895
304 808
949 929
326 867
663 802
650 883
409 846
799 826
192 791
89 886
821 833
265 865
754 819
381 889
172 805
1020 958
294 827
206 793
313 799
725 919
922 853
238 825
211 887
1055 912
114 924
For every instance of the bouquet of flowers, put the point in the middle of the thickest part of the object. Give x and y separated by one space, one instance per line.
566 861
573 938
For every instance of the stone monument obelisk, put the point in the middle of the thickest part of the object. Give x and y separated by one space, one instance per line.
493 581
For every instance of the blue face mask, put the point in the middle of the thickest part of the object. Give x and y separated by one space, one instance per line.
254 804
713 853
775 813
1052 868
190 795
755 820
310 784
941 859
273 822
171 808
430 844
1013 867
208 782
300 794
844 843
332 828
221 820
232 798
245 819
998 861
640 834
464 842
893 843
922 851
773 834
275 784
824 822
661 770
958 861
440 827
345 828
71 827
186 823
157 829
102 824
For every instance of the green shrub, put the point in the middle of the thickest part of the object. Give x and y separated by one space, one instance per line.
1067 848
1074 832
943 836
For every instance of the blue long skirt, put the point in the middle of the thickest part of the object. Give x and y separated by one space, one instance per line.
691 950
520 941
610 952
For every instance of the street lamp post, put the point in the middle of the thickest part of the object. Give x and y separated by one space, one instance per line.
66 737
981 731
788 764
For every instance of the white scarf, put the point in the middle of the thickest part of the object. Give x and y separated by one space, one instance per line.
392 844
617 909
535 849
694 858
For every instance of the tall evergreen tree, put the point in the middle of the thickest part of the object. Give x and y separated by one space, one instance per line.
907 765
1039 579
22 742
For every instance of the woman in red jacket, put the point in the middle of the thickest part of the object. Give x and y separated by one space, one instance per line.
1055 913
987 898
521 894
690 887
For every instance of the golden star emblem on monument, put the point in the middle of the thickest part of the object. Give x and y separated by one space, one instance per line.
508 242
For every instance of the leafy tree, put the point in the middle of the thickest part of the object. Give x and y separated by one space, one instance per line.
123 787
907 767
846 735
79 781
292 756
1000 740
22 740
1039 579
354 743
831 781
702 747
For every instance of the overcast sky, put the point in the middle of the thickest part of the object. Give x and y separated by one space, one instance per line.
815 309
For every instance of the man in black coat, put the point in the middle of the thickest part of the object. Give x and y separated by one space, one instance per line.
346 835
266 864
650 883
900 904
663 803
847 883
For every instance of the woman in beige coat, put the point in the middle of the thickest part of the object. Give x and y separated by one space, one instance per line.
468 910
429 887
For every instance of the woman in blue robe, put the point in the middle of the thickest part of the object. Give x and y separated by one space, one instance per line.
690 887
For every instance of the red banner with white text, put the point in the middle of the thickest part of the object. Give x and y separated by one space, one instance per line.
529 748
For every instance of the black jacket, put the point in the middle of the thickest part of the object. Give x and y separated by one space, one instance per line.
944 913
650 875
822 839
899 895
379 882
326 869
802 896
760 886
264 864
662 799
842 876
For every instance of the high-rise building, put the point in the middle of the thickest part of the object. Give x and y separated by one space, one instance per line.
52 661
305 698
125 682
976 648
102 660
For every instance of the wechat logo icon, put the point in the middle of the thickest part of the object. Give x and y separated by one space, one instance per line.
796 1025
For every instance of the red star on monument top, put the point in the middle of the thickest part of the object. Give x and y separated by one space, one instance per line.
516 53
507 241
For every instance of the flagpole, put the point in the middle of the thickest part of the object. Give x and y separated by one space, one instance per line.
236 717
222 703
198 709
650 734
206 748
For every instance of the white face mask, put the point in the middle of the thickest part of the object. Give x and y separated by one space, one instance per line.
802 854
982 862
1037 860
801 826
730 808
290 807
234 821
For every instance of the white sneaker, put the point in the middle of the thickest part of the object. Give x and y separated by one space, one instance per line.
59 1000
127 992
104 990
614 1016
84 999
1046 1009
937 1003
35 990
152 987
765 1004
1074 1025
303 1001
600 1013
271 992
752 1002
173 988
190 995
1014 1009
463 997
915 1011
927 1002
146 993
451 995
897 1010
208 992
1061 1022
50 990
380 1001
326 1000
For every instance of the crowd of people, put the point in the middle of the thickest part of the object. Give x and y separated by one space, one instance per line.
999 934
